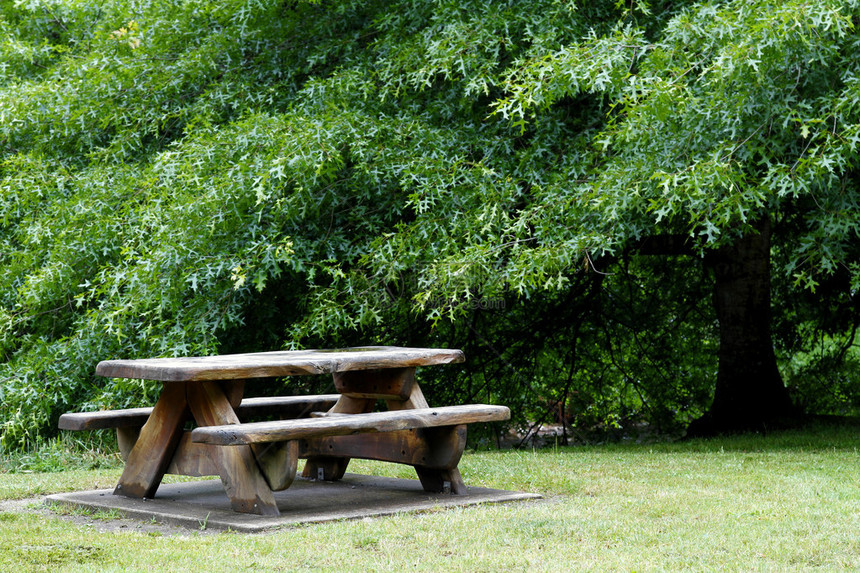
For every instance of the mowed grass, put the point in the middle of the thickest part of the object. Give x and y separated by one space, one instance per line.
786 501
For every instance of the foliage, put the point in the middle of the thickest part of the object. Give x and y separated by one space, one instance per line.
66 452
738 109
197 177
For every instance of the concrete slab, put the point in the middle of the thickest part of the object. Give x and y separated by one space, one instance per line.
199 503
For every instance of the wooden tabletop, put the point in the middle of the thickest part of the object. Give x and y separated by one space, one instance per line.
276 364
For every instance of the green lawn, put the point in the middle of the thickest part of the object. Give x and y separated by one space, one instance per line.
788 501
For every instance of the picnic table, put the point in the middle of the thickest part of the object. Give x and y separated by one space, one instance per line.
199 427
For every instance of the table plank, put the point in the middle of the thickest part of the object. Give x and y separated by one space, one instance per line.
276 364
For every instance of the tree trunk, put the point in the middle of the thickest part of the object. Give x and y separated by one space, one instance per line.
750 394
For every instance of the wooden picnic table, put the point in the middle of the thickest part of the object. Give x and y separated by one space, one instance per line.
255 459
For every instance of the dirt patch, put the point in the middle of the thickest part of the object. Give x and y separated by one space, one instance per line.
100 521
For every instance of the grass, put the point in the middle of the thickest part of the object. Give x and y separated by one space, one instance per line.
787 501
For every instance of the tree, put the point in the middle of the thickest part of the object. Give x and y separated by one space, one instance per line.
734 116
199 177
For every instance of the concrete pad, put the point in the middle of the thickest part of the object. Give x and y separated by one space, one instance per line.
204 503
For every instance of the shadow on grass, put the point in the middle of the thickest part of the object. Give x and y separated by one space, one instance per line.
815 434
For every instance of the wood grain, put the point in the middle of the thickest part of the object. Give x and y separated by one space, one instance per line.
126 438
244 483
388 384
438 448
234 390
248 409
192 459
276 364
415 400
261 432
438 481
332 468
285 406
153 450
127 418
278 461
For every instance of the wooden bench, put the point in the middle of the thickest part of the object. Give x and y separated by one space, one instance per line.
318 426
430 439
128 422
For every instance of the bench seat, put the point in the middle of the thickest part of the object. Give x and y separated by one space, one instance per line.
286 406
346 424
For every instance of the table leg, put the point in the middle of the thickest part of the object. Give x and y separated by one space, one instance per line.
153 451
245 485
448 481
360 391
234 390
278 462
433 479
415 399
333 468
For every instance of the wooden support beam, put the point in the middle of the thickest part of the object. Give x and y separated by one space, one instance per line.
153 450
437 448
332 468
193 459
389 384
243 481
441 481
414 400
278 461
126 438
234 390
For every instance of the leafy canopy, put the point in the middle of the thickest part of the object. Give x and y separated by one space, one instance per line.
199 176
